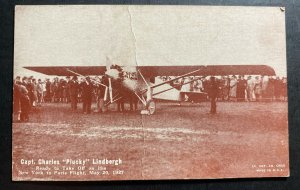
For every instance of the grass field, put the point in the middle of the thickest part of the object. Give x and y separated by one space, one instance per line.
244 139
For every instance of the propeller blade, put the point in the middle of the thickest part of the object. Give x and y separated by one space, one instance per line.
105 94
110 90
108 63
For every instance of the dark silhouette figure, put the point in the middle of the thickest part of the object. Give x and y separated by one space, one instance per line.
213 94
73 91
87 94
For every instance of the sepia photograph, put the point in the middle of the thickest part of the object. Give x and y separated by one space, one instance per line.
149 92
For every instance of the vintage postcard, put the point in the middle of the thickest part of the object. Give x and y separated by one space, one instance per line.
144 92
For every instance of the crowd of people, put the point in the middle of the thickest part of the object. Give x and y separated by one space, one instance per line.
29 92
232 88
237 88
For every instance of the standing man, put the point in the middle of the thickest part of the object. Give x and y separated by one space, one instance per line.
73 90
24 101
34 92
100 93
68 89
26 83
250 89
17 98
87 94
213 94
257 88
30 87
40 91
48 91
241 87
233 87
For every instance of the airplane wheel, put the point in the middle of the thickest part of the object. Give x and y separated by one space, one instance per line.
151 107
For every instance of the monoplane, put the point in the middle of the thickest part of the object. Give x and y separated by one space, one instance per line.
143 81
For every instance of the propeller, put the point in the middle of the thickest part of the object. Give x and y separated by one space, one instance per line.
108 70
110 90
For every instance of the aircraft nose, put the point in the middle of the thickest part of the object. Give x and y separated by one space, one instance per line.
112 73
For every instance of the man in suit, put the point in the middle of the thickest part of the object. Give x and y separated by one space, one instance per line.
39 91
241 87
87 94
25 103
16 98
48 91
68 79
100 93
73 91
27 84
213 94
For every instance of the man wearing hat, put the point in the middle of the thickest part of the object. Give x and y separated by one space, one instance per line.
16 98
48 91
25 103
87 94
73 91
213 94
68 79
241 87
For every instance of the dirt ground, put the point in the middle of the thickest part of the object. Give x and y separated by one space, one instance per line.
244 139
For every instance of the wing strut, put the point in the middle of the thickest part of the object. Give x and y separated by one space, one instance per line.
143 78
174 87
84 76
166 82
106 87
176 78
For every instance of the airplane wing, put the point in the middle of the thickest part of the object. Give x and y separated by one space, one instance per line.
67 71
215 70
153 71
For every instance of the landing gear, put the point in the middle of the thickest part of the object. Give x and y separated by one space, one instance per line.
150 108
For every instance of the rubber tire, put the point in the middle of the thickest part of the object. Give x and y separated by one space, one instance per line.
151 107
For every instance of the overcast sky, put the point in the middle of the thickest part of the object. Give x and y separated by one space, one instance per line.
153 35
